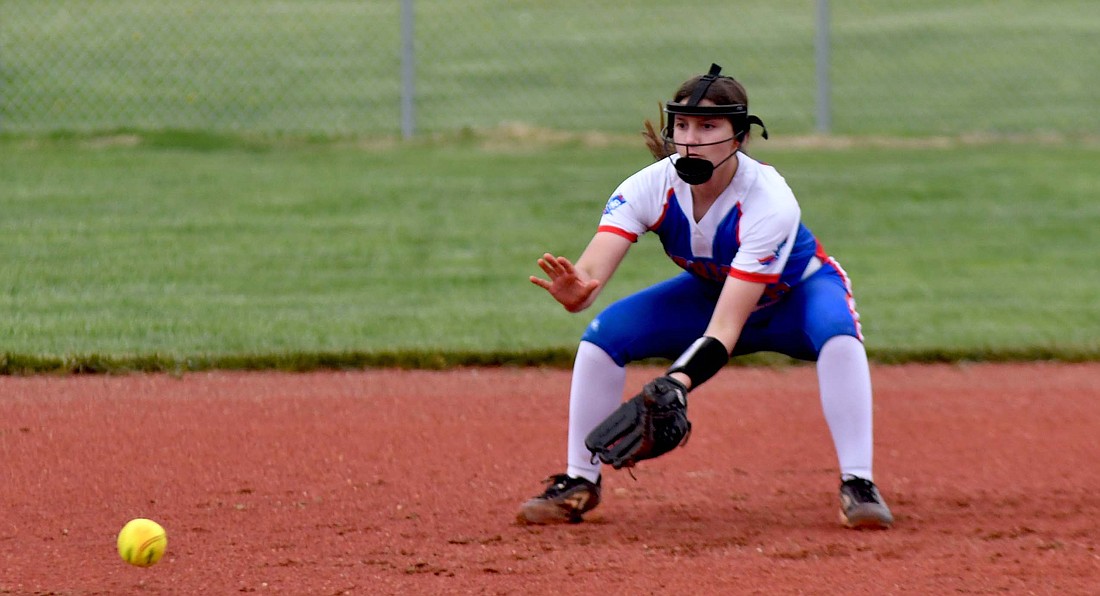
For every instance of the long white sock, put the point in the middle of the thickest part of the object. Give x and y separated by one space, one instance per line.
596 390
844 378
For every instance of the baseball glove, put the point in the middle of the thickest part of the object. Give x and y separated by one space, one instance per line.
645 426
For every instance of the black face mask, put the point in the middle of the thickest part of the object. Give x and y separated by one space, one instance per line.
696 170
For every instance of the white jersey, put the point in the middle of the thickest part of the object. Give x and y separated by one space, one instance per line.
752 232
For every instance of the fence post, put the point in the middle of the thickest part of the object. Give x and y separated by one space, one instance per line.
821 61
408 71
2 97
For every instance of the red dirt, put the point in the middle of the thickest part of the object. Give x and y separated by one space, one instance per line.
400 482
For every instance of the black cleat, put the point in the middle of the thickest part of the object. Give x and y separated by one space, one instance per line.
861 505
565 500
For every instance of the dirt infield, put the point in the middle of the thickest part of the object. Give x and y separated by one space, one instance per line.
401 482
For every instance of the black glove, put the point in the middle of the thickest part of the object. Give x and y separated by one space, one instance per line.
645 426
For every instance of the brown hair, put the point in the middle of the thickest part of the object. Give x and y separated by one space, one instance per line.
723 91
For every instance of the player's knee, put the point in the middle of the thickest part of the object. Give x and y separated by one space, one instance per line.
829 324
840 341
608 338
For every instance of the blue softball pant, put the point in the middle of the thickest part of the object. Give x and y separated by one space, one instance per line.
663 320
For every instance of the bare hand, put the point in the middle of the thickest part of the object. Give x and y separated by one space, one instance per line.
566 284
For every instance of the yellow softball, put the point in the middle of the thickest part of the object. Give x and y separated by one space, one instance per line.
142 542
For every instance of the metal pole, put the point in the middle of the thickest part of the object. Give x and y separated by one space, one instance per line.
408 71
821 60
2 101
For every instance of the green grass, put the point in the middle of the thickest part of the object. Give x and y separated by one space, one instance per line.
333 66
293 232
970 248
945 67
190 251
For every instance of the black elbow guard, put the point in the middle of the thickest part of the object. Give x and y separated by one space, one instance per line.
701 361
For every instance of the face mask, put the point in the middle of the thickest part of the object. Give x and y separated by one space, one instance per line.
696 170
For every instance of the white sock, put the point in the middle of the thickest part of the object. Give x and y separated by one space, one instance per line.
596 390
844 378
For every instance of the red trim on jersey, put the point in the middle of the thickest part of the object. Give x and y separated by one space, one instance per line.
618 231
762 278
736 211
668 199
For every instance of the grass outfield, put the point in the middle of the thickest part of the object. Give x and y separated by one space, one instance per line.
196 251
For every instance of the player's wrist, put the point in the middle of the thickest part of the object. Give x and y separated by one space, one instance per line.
681 379
701 361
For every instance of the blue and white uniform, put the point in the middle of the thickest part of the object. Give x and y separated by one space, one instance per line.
753 231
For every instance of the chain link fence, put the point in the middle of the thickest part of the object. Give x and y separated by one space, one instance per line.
334 67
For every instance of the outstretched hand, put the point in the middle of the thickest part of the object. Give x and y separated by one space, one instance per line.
566 284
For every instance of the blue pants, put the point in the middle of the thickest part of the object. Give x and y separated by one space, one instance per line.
663 320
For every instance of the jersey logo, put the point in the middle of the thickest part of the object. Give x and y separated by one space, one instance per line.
704 268
614 203
769 259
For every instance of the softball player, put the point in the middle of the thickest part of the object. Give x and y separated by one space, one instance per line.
755 279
